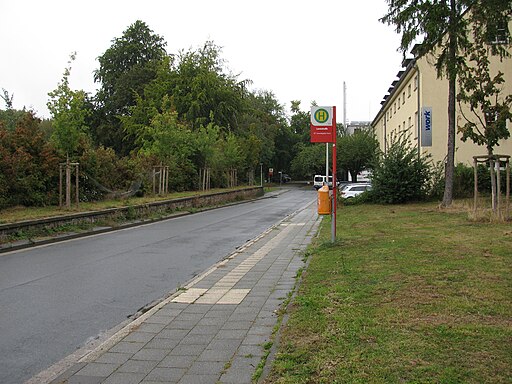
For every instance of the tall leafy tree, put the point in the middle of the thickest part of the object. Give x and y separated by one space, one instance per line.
203 93
69 114
131 62
309 161
443 29
482 93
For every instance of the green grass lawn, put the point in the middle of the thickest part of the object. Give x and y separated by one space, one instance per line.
408 294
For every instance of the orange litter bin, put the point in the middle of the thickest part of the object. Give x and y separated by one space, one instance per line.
324 201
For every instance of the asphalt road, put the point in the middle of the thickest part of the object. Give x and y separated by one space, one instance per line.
56 298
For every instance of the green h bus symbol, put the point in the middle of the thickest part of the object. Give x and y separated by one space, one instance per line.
321 115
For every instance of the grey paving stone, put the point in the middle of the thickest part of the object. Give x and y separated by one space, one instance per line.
236 377
216 355
190 314
199 379
205 329
237 324
198 308
151 327
162 343
137 366
256 339
159 319
231 334
142 337
181 324
224 344
177 362
176 334
260 330
157 382
98 369
207 367
84 380
126 347
211 321
113 358
244 316
181 350
166 375
68 373
169 311
222 313
241 370
250 351
151 354
124 378
200 339
270 320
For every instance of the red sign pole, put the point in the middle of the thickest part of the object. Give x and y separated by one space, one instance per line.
324 131
334 186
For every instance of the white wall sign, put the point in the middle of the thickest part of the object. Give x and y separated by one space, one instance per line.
426 126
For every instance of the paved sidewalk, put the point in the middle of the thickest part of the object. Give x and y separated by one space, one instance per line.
214 330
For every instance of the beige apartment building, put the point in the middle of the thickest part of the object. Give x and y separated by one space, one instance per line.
417 102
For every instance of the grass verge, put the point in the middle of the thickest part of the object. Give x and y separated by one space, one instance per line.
408 294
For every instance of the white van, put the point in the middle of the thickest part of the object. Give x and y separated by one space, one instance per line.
319 180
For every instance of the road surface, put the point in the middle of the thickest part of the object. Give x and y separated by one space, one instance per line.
56 298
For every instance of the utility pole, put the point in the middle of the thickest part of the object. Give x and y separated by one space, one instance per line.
345 105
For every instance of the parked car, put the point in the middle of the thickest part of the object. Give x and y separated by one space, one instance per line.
352 190
319 180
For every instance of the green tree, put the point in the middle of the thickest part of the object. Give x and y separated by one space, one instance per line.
309 161
262 117
170 142
10 116
299 122
203 92
131 62
357 152
489 109
69 114
443 29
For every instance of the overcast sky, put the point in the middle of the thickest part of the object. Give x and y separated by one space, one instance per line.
299 50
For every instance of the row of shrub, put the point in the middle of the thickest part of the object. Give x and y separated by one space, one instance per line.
401 175
30 168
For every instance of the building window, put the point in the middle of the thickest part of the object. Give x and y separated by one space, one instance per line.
403 97
409 90
394 107
416 82
404 125
410 122
498 33
398 102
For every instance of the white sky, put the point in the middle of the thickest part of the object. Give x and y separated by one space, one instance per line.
299 50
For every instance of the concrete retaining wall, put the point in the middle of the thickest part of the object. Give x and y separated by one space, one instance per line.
132 212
